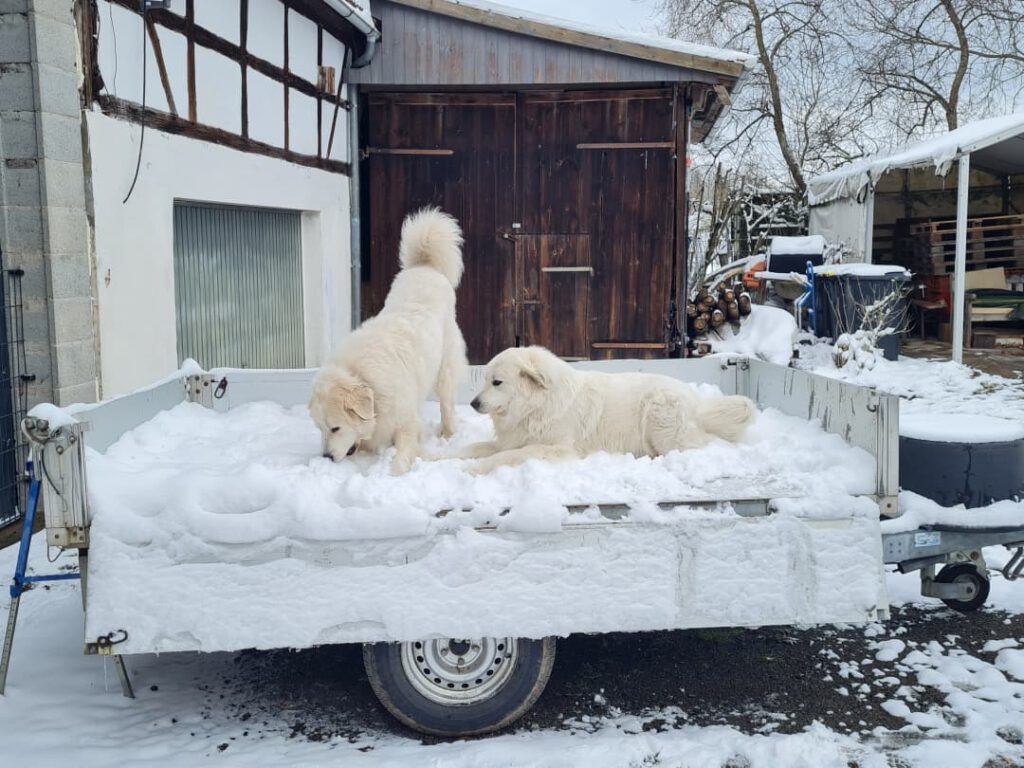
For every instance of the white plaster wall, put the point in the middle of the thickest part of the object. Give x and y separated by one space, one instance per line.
218 91
266 109
222 17
302 45
134 243
266 30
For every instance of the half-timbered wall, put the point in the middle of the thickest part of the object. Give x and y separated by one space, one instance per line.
256 74
234 115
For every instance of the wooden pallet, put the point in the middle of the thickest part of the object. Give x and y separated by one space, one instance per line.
992 241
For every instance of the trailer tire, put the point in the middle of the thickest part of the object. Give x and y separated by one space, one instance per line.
961 572
459 687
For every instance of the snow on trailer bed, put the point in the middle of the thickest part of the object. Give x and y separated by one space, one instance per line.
222 528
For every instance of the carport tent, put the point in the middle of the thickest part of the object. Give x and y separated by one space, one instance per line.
842 202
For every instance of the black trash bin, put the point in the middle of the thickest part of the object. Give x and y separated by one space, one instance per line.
841 294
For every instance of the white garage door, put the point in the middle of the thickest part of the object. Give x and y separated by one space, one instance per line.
238 286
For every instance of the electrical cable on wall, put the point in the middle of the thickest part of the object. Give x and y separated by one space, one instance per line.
142 119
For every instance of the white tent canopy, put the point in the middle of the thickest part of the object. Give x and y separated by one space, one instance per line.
842 202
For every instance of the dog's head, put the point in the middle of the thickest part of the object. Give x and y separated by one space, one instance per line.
342 409
516 380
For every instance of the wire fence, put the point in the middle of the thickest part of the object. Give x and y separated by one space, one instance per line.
14 381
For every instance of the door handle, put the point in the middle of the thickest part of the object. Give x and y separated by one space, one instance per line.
568 269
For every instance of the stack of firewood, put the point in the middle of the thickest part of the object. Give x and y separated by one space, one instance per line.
711 309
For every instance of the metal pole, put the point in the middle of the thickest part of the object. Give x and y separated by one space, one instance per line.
962 187
869 225
356 266
19 578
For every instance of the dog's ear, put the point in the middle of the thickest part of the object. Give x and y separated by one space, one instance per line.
359 400
532 373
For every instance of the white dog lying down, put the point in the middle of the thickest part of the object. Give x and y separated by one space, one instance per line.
370 395
542 408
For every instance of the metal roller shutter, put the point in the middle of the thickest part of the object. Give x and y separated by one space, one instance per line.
238 286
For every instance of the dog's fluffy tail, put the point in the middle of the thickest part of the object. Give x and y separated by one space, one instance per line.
432 238
726 417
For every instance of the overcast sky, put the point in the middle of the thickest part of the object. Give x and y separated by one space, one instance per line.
631 15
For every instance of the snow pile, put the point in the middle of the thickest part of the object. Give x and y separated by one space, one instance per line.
192 476
811 245
932 389
857 351
960 428
861 270
916 511
223 514
766 333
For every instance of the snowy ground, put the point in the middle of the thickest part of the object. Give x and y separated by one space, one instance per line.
928 688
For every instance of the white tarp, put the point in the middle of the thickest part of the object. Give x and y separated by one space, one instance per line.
844 221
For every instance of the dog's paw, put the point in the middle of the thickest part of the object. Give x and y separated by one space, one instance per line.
400 465
478 468
445 432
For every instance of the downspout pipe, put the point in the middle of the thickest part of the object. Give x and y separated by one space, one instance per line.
365 26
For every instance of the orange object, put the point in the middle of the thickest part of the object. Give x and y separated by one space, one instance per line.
749 281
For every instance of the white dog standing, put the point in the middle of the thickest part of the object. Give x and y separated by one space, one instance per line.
370 395
542 408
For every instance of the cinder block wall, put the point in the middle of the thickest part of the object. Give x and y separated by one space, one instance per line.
43 223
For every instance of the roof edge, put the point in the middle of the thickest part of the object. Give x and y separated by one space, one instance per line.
546 30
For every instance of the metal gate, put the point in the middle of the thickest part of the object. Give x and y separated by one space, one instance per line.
14 382
238 286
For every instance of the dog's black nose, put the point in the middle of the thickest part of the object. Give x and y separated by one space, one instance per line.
476 404
328 455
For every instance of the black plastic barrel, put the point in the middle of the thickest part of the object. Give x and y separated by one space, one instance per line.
960 468
840 300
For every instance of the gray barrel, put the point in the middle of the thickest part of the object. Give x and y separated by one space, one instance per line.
962 459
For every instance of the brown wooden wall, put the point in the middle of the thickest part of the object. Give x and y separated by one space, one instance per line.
568 203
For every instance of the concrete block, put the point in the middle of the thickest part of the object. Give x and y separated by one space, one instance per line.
17 91
70 276
34 286
14 38
58 90
21 230
21 185
58 10
74 363
81 393
18 130
72 320
68 230
62 137
36 323
63 183
56 41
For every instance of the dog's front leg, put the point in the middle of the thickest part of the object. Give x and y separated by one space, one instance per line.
517 456
474 451
407 445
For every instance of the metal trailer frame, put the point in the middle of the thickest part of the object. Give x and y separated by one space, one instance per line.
863 417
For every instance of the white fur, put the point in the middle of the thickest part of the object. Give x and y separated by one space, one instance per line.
542 408
370 395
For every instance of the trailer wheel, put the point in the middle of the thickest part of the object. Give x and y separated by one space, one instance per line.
459 687
957 573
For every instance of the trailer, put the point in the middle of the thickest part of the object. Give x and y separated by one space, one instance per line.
458 610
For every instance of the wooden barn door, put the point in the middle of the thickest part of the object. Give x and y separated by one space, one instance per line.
456 151
567 201
598 178
554 293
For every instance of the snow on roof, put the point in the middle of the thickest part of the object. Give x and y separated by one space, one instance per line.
709 54
939 151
